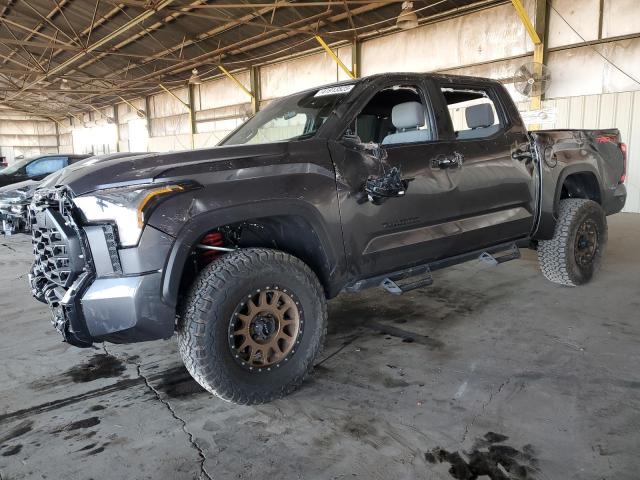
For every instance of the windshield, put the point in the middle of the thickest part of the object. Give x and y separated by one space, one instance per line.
291 118
15 167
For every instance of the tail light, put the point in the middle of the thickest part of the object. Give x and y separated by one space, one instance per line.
623 149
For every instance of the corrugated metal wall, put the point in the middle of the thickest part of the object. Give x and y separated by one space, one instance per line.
26 135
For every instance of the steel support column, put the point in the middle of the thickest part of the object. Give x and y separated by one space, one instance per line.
147 116
356 55
116 119
192 113
538 33
254 77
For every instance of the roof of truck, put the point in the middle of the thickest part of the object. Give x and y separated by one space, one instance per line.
378 76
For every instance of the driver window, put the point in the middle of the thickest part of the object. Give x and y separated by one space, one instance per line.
395 115
45 166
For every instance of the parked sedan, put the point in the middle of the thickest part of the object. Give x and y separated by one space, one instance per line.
16 197
36 168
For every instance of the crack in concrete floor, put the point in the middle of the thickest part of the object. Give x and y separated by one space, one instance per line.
190 437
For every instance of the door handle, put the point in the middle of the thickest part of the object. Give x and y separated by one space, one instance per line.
444 162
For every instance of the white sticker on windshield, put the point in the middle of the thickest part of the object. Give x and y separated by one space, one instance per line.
341 90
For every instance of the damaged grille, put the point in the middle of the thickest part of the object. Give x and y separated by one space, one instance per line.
61 263
52 256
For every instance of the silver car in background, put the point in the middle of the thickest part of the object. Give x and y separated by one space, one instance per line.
15 198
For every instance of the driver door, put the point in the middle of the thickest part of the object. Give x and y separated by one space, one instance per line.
392 233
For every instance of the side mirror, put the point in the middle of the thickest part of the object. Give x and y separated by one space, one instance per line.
389 185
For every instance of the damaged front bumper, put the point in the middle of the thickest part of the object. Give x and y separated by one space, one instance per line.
95 291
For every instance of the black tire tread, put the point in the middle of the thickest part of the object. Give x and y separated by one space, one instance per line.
553 255
196 312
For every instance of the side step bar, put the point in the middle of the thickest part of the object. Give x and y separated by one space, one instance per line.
390 281
398 289
513 254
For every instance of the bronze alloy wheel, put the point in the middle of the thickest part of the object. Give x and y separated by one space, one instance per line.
586 243
265 328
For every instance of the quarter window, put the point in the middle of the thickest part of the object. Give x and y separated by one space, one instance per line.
473 113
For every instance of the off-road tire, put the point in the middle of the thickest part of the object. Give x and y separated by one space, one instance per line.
557 256
205 314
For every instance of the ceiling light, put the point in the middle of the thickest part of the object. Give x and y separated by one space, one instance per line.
407 18
195 79
64 84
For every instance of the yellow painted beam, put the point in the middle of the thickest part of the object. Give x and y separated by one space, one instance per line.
334 56
524 17
236 81
538 57
538 49
77 118
59 124
186 105
132 106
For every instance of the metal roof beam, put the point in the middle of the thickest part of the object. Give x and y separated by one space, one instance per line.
97 44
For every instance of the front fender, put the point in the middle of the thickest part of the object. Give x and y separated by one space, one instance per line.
332 265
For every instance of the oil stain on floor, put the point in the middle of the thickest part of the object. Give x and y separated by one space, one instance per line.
488 457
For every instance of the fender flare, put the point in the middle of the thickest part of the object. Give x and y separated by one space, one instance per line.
549 204
571 170
196 227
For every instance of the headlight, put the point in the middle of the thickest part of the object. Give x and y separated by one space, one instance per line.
127 207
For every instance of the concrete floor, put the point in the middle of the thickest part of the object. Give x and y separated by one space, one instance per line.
491 367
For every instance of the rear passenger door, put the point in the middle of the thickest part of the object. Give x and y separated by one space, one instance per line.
495 192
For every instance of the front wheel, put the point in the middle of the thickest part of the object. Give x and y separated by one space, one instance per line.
252 325
574 253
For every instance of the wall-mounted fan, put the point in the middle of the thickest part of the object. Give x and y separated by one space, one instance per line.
532 79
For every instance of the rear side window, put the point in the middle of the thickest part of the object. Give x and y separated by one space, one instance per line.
45 166
473 113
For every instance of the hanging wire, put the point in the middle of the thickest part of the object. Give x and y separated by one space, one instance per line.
593 47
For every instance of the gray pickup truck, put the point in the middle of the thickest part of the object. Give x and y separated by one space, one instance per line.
366 183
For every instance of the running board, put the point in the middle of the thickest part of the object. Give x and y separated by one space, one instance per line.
398 289
390 281
513 254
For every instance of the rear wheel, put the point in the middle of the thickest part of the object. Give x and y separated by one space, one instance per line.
574 253
252 324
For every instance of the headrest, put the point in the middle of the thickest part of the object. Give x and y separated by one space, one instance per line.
408 115
479 116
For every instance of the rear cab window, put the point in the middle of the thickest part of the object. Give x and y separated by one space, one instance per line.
473 112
